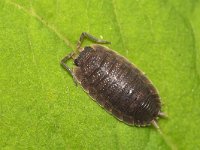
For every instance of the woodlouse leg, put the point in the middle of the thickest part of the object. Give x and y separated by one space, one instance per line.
63 63
154 123
90 37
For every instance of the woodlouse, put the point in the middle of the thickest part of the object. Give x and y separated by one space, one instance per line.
115 83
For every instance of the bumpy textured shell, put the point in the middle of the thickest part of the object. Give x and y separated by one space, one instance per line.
117 85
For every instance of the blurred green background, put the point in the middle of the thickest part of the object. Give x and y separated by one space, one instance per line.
41 108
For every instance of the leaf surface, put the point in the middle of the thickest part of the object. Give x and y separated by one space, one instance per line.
41 108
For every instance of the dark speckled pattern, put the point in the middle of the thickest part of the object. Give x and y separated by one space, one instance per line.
117 85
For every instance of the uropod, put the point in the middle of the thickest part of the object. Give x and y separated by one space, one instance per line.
115 83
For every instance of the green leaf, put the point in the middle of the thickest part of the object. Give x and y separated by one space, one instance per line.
41 108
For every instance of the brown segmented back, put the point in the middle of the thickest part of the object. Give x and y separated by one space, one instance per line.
117 85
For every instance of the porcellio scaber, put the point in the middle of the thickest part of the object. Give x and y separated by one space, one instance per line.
115 83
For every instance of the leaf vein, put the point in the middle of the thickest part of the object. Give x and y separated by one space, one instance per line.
118 26
32 13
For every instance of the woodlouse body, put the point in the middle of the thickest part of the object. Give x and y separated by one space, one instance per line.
116 84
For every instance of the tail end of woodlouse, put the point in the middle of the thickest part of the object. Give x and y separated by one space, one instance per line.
160 114
163 115
154 123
